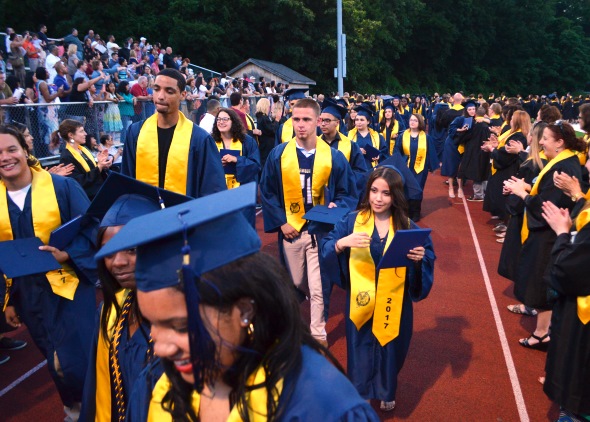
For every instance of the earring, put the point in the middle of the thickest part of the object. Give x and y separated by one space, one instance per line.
250 331
245 320
72 140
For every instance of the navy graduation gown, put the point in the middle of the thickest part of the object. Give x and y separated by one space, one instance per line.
205 173
362 141
431 158
59 326
451 156
247 170
373 368
141 392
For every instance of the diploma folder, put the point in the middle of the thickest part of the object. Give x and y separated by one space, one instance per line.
229 168
468 121
371 151
403 240
323 214
64 234
22 257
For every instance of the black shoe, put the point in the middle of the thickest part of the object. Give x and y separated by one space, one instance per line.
474 198
10 344
4 359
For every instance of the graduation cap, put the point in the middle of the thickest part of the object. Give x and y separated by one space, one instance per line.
214 230
412 189
342 102
471 103
195 238
294 94
122 198
22 257
323 214
333 108
366 110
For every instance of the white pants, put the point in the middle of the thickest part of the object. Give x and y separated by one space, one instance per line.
304 266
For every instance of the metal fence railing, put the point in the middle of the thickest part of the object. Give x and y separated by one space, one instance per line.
43 119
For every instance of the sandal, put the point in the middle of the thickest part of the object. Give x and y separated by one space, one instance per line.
451 195
541 345
460 193
387 406
522 310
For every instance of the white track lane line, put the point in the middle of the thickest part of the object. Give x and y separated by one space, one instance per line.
520 404
259 212
22 378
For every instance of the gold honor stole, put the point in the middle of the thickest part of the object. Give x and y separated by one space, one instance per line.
146 162
103 374
78 157
383 302
249 121
374 139
394 130
230 179
46 218
292 192
583 301
344 145
287 131
421 153
501 142
256 400
566 153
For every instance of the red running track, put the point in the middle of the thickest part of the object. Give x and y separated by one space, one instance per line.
456 369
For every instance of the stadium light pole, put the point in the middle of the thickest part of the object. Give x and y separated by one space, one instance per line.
341 46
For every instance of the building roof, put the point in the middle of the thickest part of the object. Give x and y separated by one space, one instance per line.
285 73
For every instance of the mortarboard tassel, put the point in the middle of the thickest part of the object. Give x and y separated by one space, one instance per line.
202 346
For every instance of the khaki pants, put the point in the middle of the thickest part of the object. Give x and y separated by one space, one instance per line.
303 264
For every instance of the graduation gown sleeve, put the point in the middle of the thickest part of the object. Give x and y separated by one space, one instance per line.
248 165
271 192
569 273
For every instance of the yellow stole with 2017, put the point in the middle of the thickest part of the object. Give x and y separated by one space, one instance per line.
566 153
420 154
502 139
352 134
383 300
287 131
256 400
394 131
230 179
146 163
292 193
103 374
583 301
76 153
46 218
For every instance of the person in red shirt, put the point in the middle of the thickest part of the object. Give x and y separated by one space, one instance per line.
139 91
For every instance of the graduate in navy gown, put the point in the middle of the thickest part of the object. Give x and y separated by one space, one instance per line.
57 307
333 114
157 151
229 134
122 345
379 303
227 326
364 135
419 150
435 130
389 126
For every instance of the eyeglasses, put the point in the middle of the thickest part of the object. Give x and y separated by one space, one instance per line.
327 121
223 119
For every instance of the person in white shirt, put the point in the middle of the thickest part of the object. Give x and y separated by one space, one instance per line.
208 119
112 46
50 63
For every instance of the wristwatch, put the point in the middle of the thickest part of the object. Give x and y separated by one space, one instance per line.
577 196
